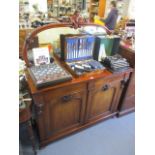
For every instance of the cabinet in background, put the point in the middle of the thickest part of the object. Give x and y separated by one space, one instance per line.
127 102
97 7
22 36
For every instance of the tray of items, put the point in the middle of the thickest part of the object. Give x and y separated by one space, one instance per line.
77 52
46 73
116 63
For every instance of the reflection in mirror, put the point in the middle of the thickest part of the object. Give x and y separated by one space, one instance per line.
34 13
41 5
50 38
93 30
32 6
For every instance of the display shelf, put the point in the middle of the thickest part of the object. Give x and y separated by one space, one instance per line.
67 7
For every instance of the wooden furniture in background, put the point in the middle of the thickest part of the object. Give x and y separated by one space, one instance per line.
97 7
127 103
22 36
25 116
102 5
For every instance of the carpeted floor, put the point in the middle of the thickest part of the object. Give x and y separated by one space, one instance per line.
114 136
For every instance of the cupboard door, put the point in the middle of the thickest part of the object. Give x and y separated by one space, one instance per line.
103 99
62 113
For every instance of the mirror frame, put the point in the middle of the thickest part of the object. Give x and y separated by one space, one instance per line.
30 36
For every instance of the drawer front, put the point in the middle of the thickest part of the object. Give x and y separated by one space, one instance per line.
99 84
66 90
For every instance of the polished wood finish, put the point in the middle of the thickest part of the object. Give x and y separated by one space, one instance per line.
62 110
129 54
127 103
103 97
74 105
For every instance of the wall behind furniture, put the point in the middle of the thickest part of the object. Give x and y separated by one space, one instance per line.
51 35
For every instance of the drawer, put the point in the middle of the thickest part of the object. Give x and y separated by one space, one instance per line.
98 84
66 90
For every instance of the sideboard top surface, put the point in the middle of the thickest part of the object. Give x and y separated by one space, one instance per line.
76 80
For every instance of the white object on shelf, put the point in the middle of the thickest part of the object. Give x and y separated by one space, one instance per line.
41 56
